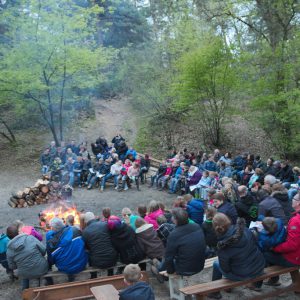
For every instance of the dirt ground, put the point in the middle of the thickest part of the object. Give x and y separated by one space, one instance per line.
20 168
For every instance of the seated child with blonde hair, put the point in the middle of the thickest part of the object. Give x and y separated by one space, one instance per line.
136 290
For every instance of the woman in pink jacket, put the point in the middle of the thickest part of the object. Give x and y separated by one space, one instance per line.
154 212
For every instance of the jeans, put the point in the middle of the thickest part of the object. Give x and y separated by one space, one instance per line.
45 169
25 284
174 185
108 176
77 176
291 193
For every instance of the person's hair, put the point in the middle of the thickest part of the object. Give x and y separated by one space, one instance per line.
187 198
259 171
126 211
278 187
179 202
88 216
206 173
257 185
139 222
262 194
211 191
132 273
180 216
142 210
57 224
210 212
221 223
161 206
229 154
267 188
296 170
12 231
270 179
219 196
242 189
161 219
18 224
257 157
106 212
269 224
153 206
249 167
70 220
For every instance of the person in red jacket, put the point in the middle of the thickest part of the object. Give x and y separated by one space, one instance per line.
287 254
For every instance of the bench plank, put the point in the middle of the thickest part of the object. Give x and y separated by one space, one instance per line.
222 284
105 292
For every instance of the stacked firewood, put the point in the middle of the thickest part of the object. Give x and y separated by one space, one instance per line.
42 192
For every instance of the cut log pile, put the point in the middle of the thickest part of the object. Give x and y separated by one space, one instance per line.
43 191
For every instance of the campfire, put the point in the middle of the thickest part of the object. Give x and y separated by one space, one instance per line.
61 210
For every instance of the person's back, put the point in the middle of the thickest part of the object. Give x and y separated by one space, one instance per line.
195 210
98 242
136 290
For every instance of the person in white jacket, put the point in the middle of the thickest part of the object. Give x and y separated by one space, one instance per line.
115 170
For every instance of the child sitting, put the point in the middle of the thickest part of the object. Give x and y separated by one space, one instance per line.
106 213
136 289
164 228
272 233
209 233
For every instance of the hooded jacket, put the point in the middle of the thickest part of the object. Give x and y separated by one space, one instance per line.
195 210
65 249
283 198
149 242
26 253
139 291
290 249
185 251
229 210
151 218
124 241
238 253
96 236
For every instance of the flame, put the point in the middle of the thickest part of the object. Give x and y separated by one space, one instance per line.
61 211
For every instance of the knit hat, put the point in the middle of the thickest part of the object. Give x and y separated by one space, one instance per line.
88 216
113 222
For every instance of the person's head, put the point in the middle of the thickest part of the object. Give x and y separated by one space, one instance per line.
221 223
269 224
255 187
270 180
57 224
19 224
114 222
277 164
296 170
135 165
153 206
47 151
12 231
79 158
139 222
210 212
218 199
212 174
216 151
142 210
259 171
242 189
210 157
180 216
228 155
179 202
278 187
126 213
70 160
205 174
89 216
161 206
296 202
169 165
182 165
248 169
106 212
270 161
69 151
70 220
132 274
161 219
210 193
187 198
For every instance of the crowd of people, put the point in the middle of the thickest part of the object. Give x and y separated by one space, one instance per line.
241 210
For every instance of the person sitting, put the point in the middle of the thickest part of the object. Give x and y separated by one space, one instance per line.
210 165
194 208
225 170
101 253
115 171
287 253
164 228
246 175
86 166
209 233
162 181
226 159
175 179
286 175
238 255
194 176
256 177
68 172
56 168
185 251
129 218
135 290
94 173
145 166
121 149
25 253
148 240
134 173
202 186
131 152
153 212
78 166
160 172
46 161
225 207
272 234
124 240
65 248
124 176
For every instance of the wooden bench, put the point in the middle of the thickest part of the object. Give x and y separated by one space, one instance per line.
105 292
75 290
177 282
199 291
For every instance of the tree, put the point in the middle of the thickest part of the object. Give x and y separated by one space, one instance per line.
205 83
51 55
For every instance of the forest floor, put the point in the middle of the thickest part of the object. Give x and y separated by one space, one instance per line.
20 168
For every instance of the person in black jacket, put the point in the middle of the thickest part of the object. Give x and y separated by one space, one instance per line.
238 255
209 232
286 173
97 239
185 251
124 241
225 207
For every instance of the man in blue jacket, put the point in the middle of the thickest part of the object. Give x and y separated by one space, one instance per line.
65 248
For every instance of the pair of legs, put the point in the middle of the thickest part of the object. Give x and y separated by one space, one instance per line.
174 185
108 176
162 181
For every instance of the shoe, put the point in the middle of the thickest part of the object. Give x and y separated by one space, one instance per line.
216 295
126 188
155 272
270 282
155 262
116 187
101 189
254 287
89 187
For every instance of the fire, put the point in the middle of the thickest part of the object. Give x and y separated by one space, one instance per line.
60 211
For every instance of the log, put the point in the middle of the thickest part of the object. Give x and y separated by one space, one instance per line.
14 200
26 191
20 194
19 205
22 201
35 190
25 204
44 189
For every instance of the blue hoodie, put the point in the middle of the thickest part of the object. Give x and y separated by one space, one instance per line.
195 210
66 250
139 291
3 243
